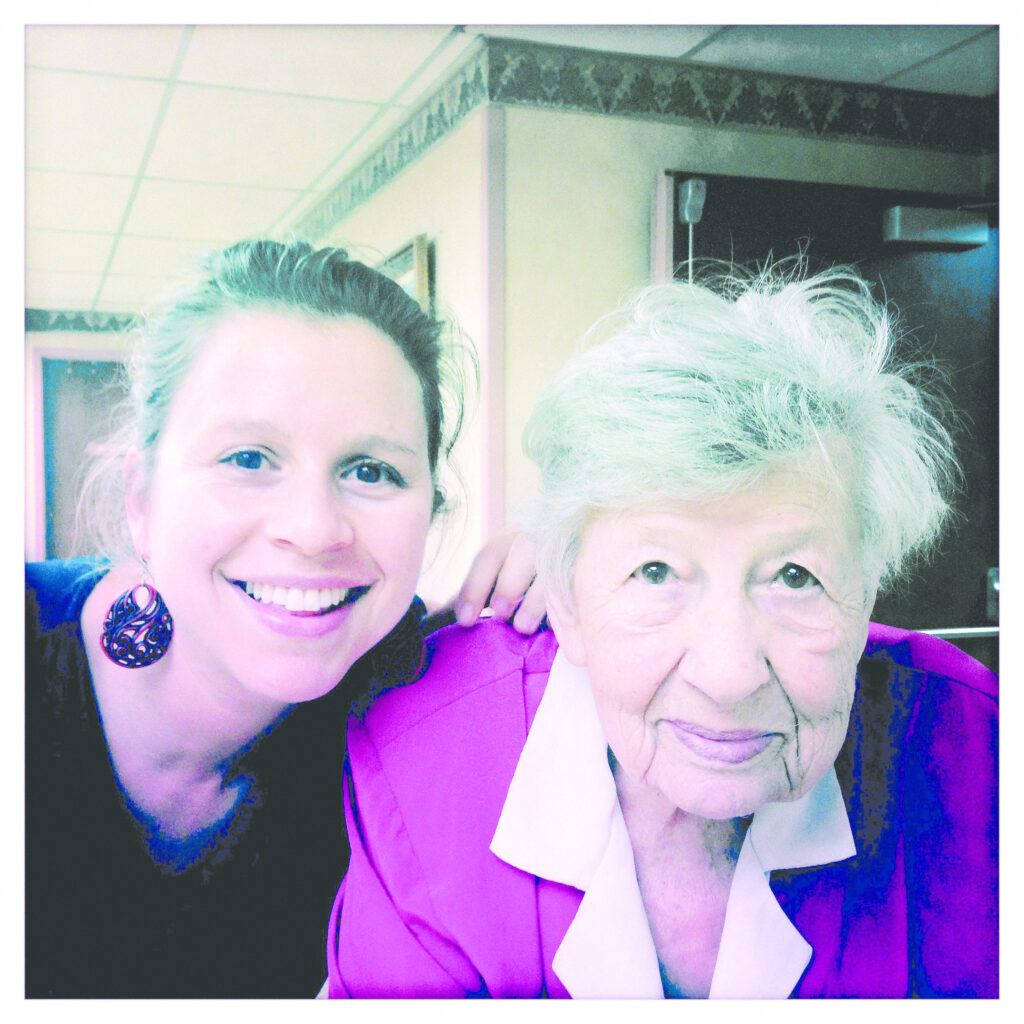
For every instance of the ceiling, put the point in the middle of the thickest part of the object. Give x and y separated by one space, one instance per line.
148 144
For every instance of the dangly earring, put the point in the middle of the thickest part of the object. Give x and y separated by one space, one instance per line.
138 628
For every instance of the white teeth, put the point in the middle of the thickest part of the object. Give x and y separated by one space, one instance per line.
294 599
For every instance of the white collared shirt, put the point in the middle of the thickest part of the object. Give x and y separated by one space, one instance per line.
561 820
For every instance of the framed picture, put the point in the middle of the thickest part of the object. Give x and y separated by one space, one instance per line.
70 387
412 267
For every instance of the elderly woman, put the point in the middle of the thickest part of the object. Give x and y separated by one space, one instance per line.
717 778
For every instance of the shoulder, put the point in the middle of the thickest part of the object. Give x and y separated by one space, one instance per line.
56 590
427 775
936 660
926 801
923 731
444 748
488 665
923 738
928 698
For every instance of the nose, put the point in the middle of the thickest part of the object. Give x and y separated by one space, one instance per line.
724 652
308 515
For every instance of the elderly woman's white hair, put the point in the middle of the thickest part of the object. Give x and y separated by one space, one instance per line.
701 389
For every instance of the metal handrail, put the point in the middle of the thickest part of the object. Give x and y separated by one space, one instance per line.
962 632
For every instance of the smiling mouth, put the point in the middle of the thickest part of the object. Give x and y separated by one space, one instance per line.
299 600
733 747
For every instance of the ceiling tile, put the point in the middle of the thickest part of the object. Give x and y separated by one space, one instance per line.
162 258
61 291
66 251
87 122
844 53
145 50
354 62
130 293
974 67
75 202
198 212
251 138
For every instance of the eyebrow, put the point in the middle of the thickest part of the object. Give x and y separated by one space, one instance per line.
378 442
774 542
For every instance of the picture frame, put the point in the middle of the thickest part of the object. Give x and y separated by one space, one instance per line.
412 267
68 386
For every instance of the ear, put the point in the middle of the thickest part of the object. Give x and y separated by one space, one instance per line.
566 625
136 501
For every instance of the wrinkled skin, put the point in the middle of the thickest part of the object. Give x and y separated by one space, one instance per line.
722 640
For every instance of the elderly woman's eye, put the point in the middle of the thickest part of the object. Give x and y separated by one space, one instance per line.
653 572
796 577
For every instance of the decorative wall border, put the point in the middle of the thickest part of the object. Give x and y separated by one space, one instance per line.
691 93
431 122
69 320
521 73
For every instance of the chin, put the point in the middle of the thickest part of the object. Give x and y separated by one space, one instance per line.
719 801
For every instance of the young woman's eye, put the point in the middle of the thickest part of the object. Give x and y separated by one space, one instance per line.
796 577
370 471
653 572
247 458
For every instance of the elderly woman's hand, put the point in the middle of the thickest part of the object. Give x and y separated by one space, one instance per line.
503 578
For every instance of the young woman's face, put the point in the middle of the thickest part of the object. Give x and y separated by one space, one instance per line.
289 503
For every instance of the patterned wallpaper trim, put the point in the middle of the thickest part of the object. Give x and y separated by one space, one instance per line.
433 121
68 320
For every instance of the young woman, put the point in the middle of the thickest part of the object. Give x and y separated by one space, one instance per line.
261 523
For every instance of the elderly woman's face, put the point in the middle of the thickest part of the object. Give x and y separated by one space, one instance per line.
722 641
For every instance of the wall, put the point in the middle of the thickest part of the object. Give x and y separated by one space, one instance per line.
442 196
542 224
578 208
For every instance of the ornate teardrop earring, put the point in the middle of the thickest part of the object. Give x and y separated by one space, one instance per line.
138 628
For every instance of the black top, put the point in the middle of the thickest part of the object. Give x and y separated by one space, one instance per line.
246 919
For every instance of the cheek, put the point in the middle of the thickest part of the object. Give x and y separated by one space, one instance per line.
818 685
396 536
627 669
186 505
820 691
814 651
820 699
186 530
622 711
629 664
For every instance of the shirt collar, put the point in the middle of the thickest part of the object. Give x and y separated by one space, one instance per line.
561 821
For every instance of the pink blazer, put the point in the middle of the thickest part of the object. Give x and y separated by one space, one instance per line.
426 910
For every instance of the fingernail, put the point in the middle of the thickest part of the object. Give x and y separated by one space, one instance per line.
465 613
